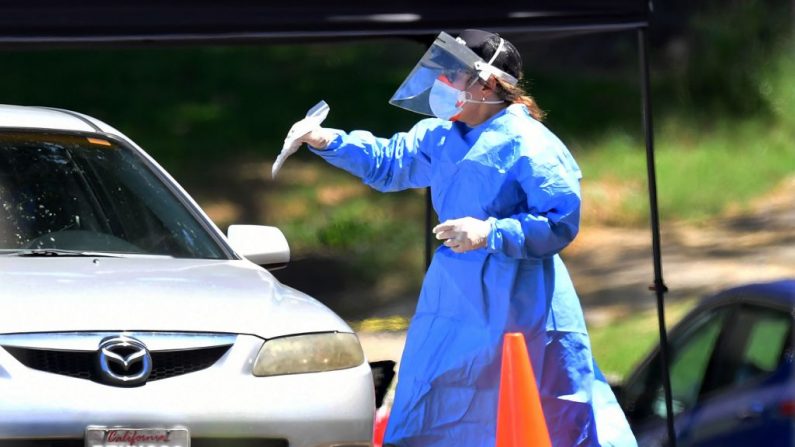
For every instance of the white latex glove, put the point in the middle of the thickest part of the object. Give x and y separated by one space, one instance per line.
464 234
319 138
314 117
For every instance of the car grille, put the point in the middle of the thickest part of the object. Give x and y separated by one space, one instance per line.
194 442
83 364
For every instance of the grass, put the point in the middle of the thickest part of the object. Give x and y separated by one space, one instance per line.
701 172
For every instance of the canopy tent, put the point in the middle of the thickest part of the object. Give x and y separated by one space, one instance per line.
48 23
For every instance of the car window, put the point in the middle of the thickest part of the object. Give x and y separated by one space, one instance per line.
690 357
691 350
766 342
754 348
74 192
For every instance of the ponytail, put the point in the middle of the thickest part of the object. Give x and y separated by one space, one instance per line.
517 95
532 107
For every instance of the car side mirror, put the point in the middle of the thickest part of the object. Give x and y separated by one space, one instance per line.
262 245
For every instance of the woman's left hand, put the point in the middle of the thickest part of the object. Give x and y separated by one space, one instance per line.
464 234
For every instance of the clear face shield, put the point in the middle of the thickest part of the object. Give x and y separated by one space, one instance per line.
436 86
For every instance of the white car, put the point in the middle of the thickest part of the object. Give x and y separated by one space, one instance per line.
128 318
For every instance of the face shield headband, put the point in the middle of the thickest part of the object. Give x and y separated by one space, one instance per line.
448 61
486 70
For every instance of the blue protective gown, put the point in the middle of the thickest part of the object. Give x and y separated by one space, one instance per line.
512 169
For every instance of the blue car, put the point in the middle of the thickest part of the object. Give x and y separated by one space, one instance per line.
732 377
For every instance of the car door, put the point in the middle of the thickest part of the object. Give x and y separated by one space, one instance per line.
747 394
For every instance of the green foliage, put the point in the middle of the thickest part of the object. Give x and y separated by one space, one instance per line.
776 84
345 233
583 107
333 214
728 44
372 237
184 104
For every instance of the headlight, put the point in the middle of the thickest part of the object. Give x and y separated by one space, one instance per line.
308 353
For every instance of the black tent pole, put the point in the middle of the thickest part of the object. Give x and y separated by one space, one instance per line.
658 286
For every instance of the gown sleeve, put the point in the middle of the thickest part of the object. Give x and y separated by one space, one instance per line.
386 164
552 188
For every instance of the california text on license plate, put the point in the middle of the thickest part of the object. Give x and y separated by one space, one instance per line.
136 437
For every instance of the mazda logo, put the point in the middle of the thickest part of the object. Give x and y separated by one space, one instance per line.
124 361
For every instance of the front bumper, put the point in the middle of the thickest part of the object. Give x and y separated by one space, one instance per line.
333 408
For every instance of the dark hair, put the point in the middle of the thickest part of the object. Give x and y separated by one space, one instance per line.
484 44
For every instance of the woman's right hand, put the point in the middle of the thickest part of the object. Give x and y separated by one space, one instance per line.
319 138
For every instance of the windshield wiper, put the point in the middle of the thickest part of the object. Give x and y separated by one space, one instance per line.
42 252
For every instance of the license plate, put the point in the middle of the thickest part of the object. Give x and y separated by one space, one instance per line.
136 437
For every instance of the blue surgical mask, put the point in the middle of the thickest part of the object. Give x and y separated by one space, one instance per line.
446 101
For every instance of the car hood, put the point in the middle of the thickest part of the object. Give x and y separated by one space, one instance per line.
54 294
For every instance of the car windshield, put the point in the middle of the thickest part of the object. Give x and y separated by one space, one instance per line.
73 192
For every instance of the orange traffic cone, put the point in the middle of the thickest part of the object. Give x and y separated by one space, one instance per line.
520 421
